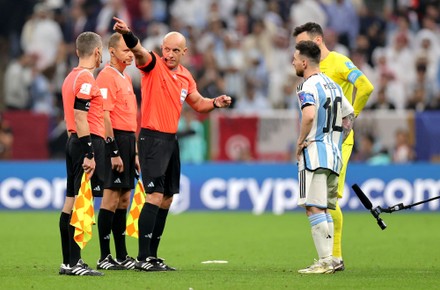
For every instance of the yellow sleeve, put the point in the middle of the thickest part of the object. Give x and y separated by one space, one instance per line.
364 88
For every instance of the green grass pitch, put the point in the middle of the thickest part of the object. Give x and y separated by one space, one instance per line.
263 252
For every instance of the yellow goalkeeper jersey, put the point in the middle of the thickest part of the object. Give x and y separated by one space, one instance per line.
342 71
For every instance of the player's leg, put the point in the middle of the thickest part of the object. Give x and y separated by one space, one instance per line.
65 216
125 181
119 225
105 223
336 214
172 185
77 171
64 233
77 267
155 150
313 196
160 224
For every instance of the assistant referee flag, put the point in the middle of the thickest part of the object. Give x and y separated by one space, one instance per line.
135 210
83 215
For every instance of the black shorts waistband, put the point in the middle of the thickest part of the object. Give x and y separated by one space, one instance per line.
123 132
93 136
157 134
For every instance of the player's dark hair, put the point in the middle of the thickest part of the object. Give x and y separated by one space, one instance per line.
86 43
313 29
310 50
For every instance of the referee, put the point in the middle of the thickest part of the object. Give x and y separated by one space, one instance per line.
165 86
120 118
84 116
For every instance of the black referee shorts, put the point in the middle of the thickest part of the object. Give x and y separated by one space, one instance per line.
160 161
74 161
126 142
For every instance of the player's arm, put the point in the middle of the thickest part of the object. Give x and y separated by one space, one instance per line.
142 56
110 143
308 115
81 108
363 88
205 105
347 118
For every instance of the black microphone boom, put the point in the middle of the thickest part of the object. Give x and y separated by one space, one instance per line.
378 210
364 199
368 205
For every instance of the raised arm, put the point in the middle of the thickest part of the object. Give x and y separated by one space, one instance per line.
142 56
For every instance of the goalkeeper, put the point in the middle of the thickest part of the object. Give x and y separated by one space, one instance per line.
342 71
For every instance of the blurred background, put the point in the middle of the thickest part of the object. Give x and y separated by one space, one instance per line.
244 49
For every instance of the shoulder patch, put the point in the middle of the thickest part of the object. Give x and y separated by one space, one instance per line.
85 88
104 92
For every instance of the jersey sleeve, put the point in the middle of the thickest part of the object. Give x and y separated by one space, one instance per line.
192 84
85 86
305 96
347 108
363 86
108 88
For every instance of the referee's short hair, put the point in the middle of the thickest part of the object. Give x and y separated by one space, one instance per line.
114 40
86 43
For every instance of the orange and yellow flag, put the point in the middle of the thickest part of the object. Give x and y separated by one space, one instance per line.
83 215
137 203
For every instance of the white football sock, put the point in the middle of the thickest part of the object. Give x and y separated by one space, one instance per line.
320 235
331 229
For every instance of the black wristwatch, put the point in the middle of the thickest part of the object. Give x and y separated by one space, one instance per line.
109 140
215 104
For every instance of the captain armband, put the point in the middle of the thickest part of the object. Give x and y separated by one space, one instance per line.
81 104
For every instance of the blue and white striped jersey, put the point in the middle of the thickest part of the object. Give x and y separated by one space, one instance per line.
325 137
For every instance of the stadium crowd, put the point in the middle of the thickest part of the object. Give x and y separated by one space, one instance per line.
241 48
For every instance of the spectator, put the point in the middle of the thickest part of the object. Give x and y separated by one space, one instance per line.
17 80
258 40
257 72
195 12
331 39
422 88
400 59
6 139
280 69
42 35
382 102
211 83
231 65
403 151
370 152
304 11
104 25
42 93
253 101
343 19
